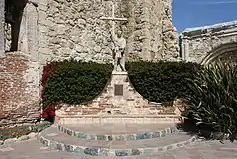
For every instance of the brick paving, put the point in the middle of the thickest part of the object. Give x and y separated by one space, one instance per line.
32 149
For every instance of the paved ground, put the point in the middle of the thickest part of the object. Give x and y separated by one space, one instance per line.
32 149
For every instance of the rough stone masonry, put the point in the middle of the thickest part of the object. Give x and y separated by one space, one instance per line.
207 44
74 29
2 28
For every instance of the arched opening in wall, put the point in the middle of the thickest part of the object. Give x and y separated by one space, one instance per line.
225 53
13 17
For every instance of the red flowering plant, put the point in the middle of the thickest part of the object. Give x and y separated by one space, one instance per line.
48 110
71 82
48 71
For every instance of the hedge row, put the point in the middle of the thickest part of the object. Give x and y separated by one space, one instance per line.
75 82
163 81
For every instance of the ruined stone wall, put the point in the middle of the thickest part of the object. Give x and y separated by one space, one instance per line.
19 91
2 20
169 33
7 36
73 29
70 28
162 36
135 12
199 43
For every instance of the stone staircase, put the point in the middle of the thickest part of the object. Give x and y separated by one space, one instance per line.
115 139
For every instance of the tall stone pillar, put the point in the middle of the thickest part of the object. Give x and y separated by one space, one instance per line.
185 50
2 22
28 39
28 44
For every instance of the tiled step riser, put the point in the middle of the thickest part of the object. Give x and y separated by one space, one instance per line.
111 152
127 137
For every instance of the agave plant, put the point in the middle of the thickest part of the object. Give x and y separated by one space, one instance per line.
214 99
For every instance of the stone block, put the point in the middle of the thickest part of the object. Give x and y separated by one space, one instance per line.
23 138
33 135
122 152
78 150
89 121
96 120
10 141
143 136
92 151
68 148
53 145
101 137
131 137
60 146
136 152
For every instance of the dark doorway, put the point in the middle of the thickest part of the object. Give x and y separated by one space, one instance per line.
13 15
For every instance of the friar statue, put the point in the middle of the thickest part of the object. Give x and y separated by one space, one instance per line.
118 50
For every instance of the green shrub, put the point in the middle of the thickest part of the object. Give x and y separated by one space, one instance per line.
16 132
214 98
40 126
163 81
49 70
76 82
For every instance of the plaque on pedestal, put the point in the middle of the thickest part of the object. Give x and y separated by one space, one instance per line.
118 90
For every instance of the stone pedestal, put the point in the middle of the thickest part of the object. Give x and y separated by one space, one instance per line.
118 103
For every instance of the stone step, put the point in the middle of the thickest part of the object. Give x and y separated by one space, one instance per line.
56 139
62 118
118 131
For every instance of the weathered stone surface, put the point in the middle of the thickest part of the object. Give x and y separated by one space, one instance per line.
19 80
33 135
2 20
92 151
23 138
77 28
1 142
9 141
210 43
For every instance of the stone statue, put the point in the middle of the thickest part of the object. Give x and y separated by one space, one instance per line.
118 50
119 42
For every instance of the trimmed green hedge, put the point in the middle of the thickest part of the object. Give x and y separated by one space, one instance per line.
163 81
76 82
